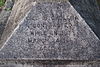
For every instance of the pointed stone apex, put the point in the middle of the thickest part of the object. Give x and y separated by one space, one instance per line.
52 31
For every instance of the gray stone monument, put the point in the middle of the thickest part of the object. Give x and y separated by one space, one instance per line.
52 30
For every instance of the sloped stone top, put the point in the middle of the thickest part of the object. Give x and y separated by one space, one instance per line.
52 31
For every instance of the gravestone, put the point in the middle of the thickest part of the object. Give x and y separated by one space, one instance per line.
52 30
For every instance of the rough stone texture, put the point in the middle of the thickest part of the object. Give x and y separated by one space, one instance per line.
4 15
89 10
52 31
49 65
3 20
38 63
19 10
20 65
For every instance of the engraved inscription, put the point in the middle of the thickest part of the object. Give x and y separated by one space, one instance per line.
55 27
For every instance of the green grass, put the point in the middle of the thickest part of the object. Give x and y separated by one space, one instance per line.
2 2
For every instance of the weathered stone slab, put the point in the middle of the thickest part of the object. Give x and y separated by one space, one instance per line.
4 15
47 65
3 20
19 65
52 31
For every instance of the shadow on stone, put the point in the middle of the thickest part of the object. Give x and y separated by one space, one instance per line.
90 12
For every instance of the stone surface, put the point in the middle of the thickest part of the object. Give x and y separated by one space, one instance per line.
38 63
4 15
90 12
52 31
49 65
21 65
3 20
19 10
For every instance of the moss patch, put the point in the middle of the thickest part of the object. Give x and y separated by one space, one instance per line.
2 2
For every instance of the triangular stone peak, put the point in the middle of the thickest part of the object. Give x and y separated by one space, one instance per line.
52 30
